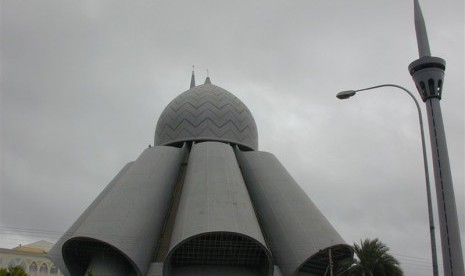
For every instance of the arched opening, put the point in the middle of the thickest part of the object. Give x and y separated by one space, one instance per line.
80 253
219 252
43 270
23 265
33 268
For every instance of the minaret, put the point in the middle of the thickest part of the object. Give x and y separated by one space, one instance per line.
428 74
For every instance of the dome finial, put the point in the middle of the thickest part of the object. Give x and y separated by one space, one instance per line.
207 80
193 77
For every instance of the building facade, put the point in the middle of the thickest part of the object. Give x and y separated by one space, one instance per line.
203 201
31 257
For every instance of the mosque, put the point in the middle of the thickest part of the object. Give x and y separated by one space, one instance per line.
202 201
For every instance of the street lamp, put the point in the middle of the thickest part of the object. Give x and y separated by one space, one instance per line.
349 93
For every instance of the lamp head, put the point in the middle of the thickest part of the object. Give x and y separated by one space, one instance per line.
345 94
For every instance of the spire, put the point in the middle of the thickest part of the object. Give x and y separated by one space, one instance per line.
420 28
207 80
193 78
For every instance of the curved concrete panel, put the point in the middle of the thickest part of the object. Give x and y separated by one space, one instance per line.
294 227
55 252
214 206
130 213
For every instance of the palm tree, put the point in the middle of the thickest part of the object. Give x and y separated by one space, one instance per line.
372 258
13 271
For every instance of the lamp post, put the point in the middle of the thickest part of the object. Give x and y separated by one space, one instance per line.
349 93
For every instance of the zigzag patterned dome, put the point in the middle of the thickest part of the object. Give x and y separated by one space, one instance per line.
207 113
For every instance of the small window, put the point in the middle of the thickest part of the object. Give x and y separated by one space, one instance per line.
43 269
33 268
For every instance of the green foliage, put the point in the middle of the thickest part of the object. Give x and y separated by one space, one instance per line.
372 258
13 271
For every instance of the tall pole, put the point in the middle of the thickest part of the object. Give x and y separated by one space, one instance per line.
428 75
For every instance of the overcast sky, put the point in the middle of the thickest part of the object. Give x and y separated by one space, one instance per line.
84 82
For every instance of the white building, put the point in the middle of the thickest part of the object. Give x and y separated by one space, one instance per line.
32 257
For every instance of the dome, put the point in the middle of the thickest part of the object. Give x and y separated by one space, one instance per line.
207 113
